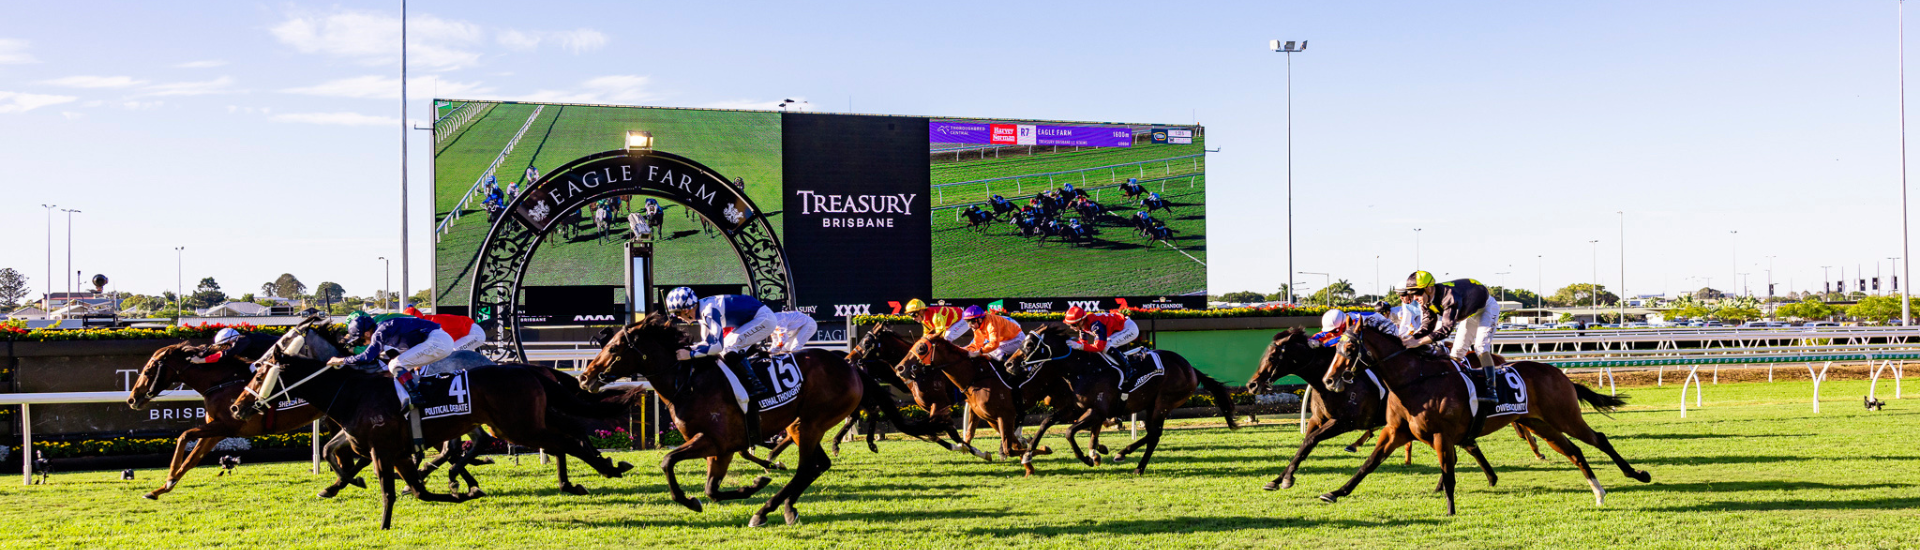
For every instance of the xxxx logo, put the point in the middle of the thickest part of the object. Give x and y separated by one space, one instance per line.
849 310
1089 305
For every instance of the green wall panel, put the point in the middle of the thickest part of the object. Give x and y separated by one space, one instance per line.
1229 356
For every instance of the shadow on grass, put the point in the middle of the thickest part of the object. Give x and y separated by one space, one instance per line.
1739 486
1186 524
1904 503
1699 436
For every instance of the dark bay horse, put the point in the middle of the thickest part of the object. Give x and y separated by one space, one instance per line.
217 382
1361 407
701 402
513 400
1098 397
1429 402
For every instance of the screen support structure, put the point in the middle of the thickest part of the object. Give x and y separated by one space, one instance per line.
639 281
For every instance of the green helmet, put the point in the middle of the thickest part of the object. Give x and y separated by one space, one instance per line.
1419 280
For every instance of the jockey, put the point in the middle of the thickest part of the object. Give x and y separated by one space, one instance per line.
993 335
940 320
461 328
1463 304
729 324
791 331
228 343
1335 323
417 341
1101 333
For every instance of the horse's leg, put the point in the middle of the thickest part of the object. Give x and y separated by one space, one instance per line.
1444 448
1156 425
1409 461
387 494
1033 447
1391 440
566 483
873 430
1354 447
184 460
1579 430
1088 420
698 446
409 473
767 464
345 463
1560 444
717 472
1474 450
842 434
1326 429
1531 444
813 462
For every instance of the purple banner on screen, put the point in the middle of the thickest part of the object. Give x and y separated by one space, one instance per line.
1029 134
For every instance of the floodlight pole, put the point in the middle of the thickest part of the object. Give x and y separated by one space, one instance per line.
389 298
179 286
1593 294
46 300
1416 249
1289 49
70 212
1906 266
403 156
1622 302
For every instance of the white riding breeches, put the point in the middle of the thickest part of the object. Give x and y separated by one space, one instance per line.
472 341
1125 335
791 331
436 347
958 330
1475 332
999 353
751 332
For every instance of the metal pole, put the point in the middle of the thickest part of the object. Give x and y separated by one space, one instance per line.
70 213
47 287
1623 268
316 446
1289 172
1416 248
1906 266
26 444
403 155
389 299
179 267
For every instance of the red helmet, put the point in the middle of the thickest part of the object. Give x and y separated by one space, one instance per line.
1075 315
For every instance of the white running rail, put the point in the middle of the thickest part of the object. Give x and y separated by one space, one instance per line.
467 197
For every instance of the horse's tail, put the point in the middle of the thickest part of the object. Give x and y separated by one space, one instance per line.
876 399
568 400
1603 403
1220 395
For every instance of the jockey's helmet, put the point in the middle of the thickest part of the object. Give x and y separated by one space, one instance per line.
1075 315
915 306
682 298
226 336
1419 280
359 325
1333 319
973 312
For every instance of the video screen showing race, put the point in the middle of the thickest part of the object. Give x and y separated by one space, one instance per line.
488 153
1029 208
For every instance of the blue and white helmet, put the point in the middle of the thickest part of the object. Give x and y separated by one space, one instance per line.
226 336
491 181
1156 196
1069 188
682 298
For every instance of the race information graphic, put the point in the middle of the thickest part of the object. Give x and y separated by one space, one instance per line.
1029 134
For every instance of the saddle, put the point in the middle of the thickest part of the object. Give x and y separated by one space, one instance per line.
1496 391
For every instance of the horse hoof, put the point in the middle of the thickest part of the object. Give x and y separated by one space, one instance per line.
1352 449
324 493
759 520
476 493
873 448
1140 471
793 518
360 482
480 462
1642 476
779 466
1329 498
692 504
151 496
1270 486
573 489
620 469
761 482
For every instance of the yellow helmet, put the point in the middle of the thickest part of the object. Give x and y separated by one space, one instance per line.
916 306
1419 280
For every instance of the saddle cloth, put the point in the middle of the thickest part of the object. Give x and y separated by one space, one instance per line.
1137 359
441 396
782 377
1510 390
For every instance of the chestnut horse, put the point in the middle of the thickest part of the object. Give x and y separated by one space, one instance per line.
1361 407
876 352
1098 397
701 402
511 399
990 394
1430 403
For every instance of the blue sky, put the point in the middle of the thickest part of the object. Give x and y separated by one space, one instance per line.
264 136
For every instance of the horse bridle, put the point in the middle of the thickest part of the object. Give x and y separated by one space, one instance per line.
1041 342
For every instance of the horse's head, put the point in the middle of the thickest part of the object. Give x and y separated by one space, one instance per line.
646 346
1362 347
931 352
163 370
880 344
266 380
1287 354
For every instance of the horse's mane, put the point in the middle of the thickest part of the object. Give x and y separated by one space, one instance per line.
1059 331
1289 333
658 327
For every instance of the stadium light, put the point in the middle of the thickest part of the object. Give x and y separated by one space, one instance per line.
1289 49
639 141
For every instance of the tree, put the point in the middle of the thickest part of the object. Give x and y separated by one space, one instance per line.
1689 310
1243 296
1737 313
1876 308
1808 308
266 288
1341 291
1581 294
1708 293
207 294
1277 296
328 293
13 287
1527 298
422 297
288 286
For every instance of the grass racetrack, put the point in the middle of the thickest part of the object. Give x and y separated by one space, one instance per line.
734 144
1753 468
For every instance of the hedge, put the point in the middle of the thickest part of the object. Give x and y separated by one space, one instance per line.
1137 313
147 446
15 332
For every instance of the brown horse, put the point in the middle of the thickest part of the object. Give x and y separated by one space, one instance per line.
701 402
1098 397
1429 402
511 399
990 394
877 352
1361 407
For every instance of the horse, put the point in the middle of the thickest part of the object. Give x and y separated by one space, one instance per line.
977 218
876 352
701 401
1097 392
1430 402
989 393
1131 190
1002 206
1158 232
1078 233
1333 412
511 399
1153 202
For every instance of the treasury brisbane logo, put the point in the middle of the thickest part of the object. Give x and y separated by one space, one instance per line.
856 210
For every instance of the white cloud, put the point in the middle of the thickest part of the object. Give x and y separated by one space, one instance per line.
374 39
249 110
581 40
202 64
519 41
384 87
95 81
605 89
70 115
216 86
16 102
13 51
338 119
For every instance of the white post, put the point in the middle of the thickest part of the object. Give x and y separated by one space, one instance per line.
1693 379
316 446
1817 379
26 444
1133 426
1305 398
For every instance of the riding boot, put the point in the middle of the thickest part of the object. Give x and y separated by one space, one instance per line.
737 362
411 383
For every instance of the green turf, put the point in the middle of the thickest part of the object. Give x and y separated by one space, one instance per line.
1754 468
734 144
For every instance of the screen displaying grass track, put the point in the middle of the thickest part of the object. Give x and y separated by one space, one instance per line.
470 137
994 252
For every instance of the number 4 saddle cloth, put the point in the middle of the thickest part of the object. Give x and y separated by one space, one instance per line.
1509 389
445 395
